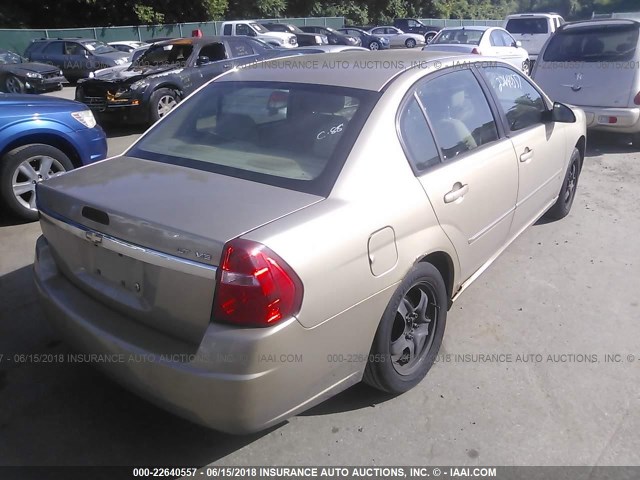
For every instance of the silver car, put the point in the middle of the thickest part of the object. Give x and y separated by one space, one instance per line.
491 41
398 38
287 232
596 65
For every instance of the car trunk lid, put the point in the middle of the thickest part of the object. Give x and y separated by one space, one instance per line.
145 237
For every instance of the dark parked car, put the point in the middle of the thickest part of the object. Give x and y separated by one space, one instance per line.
17 75
165 74
62 136
367 40
304 39
76 57
334 36
413 25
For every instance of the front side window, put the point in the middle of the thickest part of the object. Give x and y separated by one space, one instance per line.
610 43
242 29
496 39
521 103
459 113
290 135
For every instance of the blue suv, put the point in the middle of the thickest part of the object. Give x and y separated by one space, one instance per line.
42 137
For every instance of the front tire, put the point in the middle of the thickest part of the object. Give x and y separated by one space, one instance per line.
410 332
162 102
22 169
562 207
374 45
13 84
410 43
429 36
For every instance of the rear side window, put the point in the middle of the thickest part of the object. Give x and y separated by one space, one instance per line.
459 113
527 25
227 29
612 43
416 137
291 135
54 48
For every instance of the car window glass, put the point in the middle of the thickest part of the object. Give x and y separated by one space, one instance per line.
275 131
73 48
462 36
227 29
506 38
496 39
240 48
459 113
614 43
215 51
416 136
242 29
521 103
527 25
54 48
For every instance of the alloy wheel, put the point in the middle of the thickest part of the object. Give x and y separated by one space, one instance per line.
13 85
166 104
413 329
31 172
572 180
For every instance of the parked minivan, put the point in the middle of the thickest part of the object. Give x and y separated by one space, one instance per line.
595 64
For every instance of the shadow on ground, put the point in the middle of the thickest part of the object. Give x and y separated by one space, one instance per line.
60 414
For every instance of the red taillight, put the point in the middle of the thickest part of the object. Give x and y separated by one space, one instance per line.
475 51
636 99
255 287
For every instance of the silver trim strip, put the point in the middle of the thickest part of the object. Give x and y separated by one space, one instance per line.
146 255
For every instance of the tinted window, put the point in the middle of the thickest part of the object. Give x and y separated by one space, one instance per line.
593 44
227 29
527 25
215 51
459 113
73 48
242 29
417 138
521 103
289 135
54 48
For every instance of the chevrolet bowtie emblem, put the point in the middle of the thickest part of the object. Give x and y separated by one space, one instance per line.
93 237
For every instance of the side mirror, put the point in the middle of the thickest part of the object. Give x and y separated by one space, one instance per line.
202 59
517 43
561 114
252 33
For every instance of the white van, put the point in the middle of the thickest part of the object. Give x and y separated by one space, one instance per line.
595 65
533 30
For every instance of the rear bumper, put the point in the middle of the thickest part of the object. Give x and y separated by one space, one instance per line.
627 120
236 380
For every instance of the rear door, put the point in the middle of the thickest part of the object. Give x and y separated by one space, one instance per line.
538 144
52 53
473 187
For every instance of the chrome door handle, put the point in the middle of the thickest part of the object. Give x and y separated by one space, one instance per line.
459 190
526 155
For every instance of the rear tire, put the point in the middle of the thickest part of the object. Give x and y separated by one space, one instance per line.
410 332
410 43
562 207
22 169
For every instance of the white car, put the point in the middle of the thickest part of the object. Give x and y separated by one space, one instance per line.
397 38
127 46
491 41
533 30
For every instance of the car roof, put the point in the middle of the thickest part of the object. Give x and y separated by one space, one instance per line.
481 28
534 15
344 69
599 22
191 40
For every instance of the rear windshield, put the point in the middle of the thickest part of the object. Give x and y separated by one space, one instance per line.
294 136
527 25
613 43
462 36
